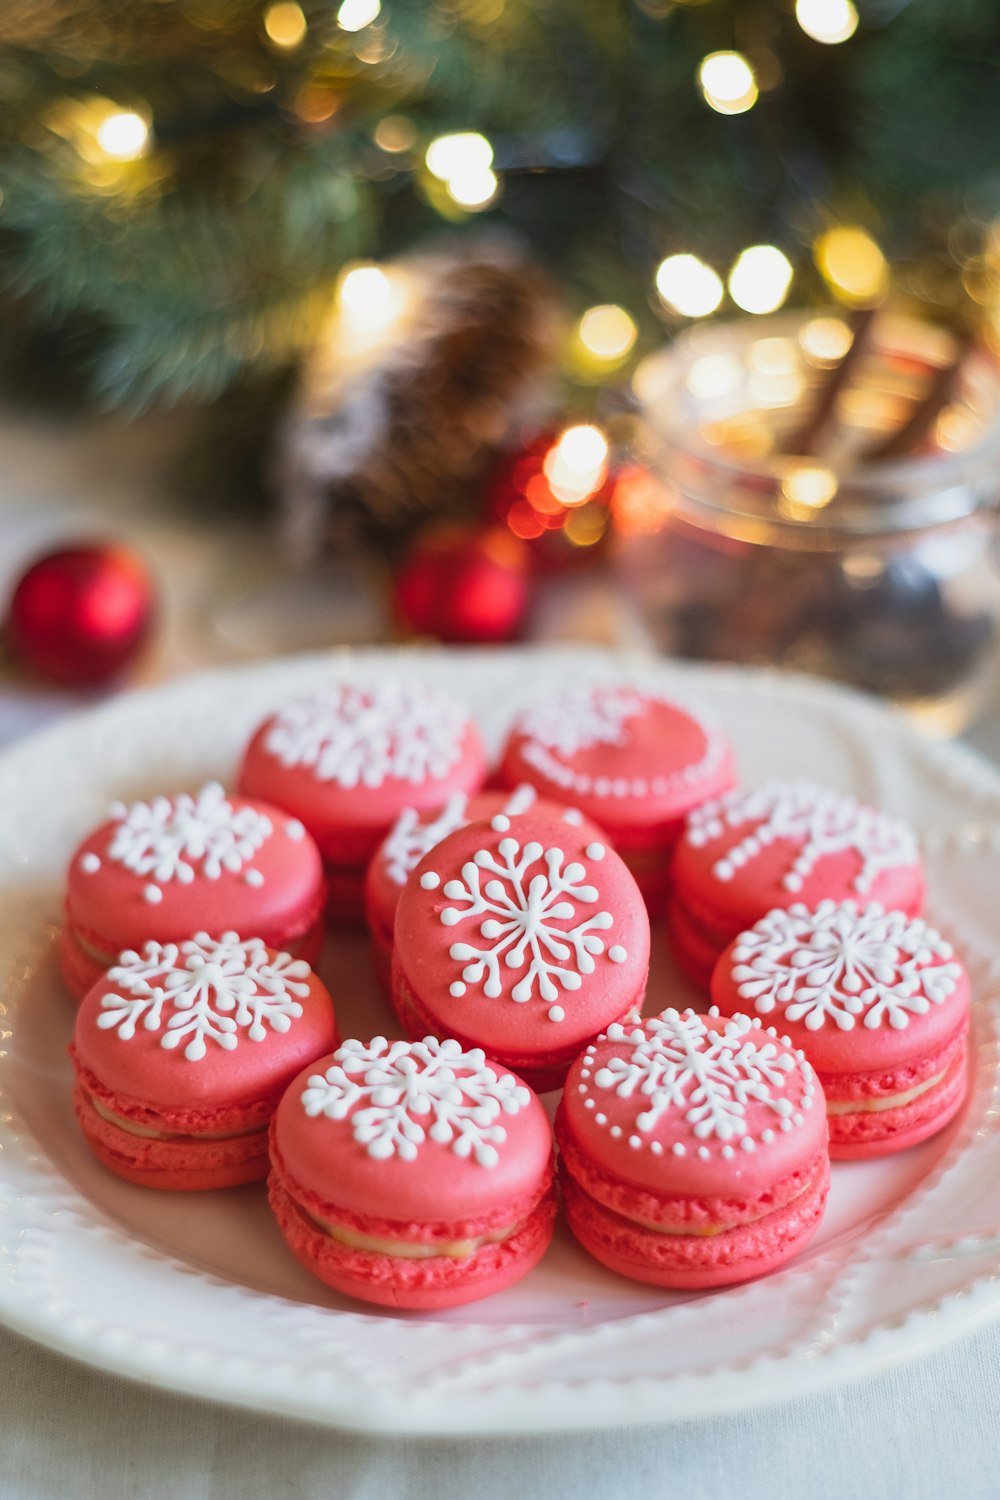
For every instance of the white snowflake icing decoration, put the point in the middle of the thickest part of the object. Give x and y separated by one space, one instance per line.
582 718
844 964
709 1068
532 892
204 990
412 1092
360 736
177 838
410 838
821 820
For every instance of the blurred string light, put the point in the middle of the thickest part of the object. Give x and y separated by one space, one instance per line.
825 341
355 15
463 161
727 81
760 279
123 135
607 333
805 491
369 303
395 133
829 21
577 464
852 264
285 23
688 286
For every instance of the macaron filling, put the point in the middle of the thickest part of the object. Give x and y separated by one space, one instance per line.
456 1249
889 1101
146 1132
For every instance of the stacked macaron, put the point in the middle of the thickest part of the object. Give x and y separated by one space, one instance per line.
523 936
773 845
164 869
634 762
348 760
879 1002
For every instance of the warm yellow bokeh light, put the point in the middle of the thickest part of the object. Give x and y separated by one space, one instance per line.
805 491
577 463
688 286
715 375
463 154
123 135
395 133
826 340
285 23
474 189
829 21
607 332
760 279
727 82
365 291
355 15
852 264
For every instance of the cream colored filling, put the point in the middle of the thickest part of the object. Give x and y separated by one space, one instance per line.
147 1133
874 1106
703 1231
407 1249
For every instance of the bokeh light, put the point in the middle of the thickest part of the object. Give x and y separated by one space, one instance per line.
829 21
852 264
462 154
607 332
123 135
826 340
727 82
688 286
474 189
805 491
395 133
577 463
760 279
285 23
355 15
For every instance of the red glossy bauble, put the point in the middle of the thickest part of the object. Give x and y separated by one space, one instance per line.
464 584
79 615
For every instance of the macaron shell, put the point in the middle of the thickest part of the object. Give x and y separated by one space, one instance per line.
172 1165
423 942
861 1134
139 1068
668 762
109 903
322 1156
697 1260
334 813
393 1281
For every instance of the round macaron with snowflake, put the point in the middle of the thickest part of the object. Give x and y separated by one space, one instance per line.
348 759
879 1002
693 1149
777 844
182 1052
413 1174
523 935
172 866
633 761
415 833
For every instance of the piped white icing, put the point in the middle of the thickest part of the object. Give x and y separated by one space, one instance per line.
819 819
844 964
410 838
363 736
708 1068
412 1092
204 990
177 838
528 893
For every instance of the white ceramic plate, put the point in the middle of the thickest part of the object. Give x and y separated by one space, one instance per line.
198 1293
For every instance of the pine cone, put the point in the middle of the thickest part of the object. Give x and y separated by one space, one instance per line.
376 444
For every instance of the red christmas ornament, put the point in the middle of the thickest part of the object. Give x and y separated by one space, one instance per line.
80 615
464 584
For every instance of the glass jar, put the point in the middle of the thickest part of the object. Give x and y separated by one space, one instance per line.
789 528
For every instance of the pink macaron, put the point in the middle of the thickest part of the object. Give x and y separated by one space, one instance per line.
349 759
415 833
776 844
693 1149
413 1174
164 869
182 1052
524 936
879 1003
634 762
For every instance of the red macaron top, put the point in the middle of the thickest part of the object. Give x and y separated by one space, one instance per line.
176 865
415 833
208 1022
786 841
695 1105
523 933
412 1131
621 755
859 988
354 756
